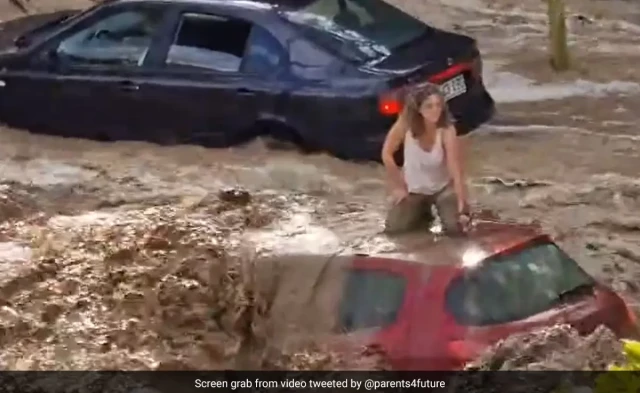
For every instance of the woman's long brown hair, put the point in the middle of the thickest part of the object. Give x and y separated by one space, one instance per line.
413 99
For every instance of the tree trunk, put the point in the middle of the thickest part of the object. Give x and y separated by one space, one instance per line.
558 36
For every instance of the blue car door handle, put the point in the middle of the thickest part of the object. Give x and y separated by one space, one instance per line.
128 86
245 92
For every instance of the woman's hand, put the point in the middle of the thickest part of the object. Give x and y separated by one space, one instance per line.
463 207
464 214
455 164
392 143
399 194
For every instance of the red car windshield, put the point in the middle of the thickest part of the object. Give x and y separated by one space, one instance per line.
514 286
358 30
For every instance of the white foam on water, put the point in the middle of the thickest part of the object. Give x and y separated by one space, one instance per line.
539 17
622 25
93 218
43 172
507 87
497 129
610 47
617 123
14 252
14 258
296 235
465 4
290 174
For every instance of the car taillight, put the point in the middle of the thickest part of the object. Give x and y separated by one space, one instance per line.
464 351
389 104
632 319
450 72
632 315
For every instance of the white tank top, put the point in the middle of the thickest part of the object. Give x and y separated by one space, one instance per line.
425 172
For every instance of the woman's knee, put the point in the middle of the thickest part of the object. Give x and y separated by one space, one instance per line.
451 224
447 208
398 220
405 216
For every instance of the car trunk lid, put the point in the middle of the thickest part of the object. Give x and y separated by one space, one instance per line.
601 307
430 53
584 310
467 343
533 285
436 56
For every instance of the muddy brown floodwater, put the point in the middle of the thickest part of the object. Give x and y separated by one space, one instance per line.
125 255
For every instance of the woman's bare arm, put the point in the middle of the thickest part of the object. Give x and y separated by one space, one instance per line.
455 163
392 143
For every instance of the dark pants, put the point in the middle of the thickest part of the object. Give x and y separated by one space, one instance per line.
414 212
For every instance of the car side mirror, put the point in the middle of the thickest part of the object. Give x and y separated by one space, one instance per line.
22 42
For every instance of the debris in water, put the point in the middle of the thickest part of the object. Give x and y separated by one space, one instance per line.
235 196
554 348
517 183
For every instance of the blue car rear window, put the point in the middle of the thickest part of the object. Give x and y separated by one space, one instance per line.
359 30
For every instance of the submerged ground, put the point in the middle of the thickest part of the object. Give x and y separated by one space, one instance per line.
106 248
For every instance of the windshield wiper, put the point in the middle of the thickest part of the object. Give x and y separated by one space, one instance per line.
582 289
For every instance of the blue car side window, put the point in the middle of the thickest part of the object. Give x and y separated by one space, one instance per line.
264 53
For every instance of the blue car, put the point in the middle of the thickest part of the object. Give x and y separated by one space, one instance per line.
325 74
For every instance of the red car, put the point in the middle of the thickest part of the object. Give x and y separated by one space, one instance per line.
439 306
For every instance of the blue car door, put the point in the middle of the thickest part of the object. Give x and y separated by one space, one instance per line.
81 81
214 79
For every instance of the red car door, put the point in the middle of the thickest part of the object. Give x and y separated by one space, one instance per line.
430 325
379 296
471 341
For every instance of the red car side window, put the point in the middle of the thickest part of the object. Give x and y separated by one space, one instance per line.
371 299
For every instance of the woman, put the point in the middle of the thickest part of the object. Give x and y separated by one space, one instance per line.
433 165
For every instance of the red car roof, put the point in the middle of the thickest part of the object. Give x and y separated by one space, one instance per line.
484 240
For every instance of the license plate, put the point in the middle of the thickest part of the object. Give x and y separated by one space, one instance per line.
453 87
